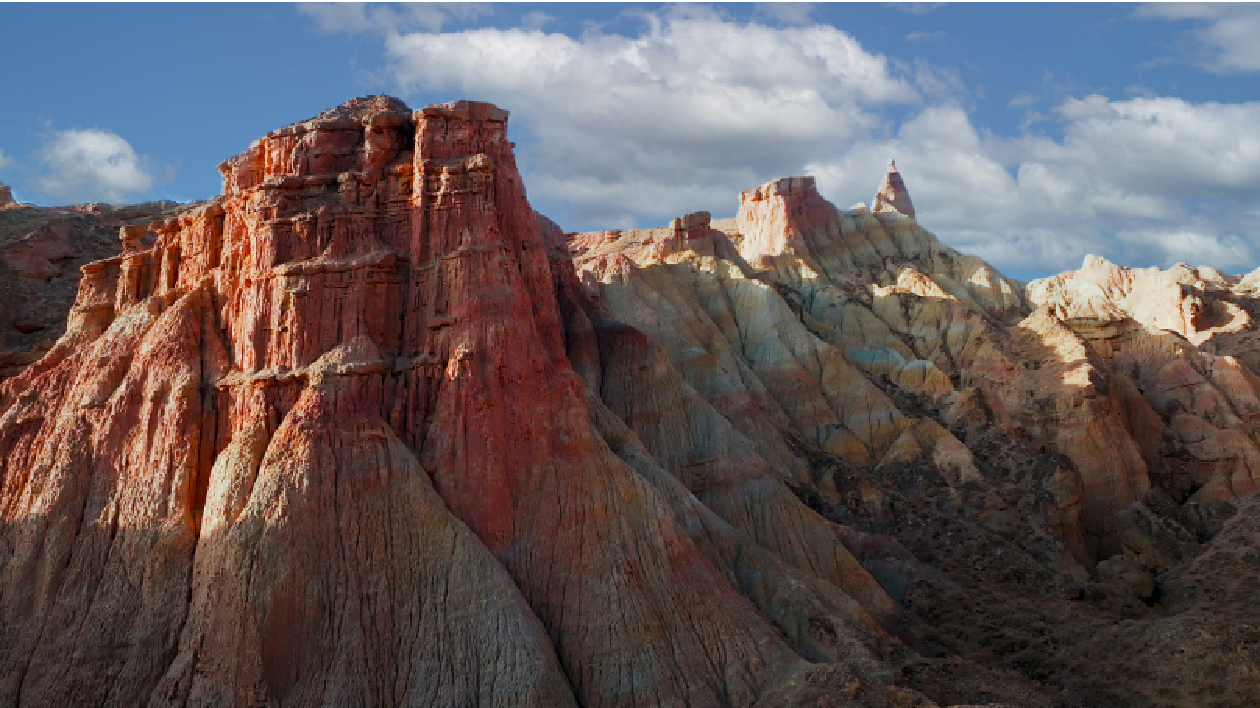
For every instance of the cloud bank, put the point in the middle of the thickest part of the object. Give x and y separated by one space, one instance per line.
619 131
680 117
1142 181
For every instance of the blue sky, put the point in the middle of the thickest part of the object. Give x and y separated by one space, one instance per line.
1028 134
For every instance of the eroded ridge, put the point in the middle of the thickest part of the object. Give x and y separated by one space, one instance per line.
336 437
1085 431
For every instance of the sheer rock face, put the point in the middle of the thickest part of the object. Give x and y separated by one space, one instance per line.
6 196
367 430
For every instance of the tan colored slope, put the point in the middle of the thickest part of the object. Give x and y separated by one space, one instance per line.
1183 337
813 304
904 378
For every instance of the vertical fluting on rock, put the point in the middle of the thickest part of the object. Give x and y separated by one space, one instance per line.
356 433
512 449
210 446
892 194
771 218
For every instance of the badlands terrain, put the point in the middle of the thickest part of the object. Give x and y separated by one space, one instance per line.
365 429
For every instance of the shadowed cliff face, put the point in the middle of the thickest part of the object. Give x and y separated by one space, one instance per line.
366 430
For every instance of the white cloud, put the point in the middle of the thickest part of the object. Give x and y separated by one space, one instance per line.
5 161
619 131
649 126
916 8
925 36
535 20
1228 252
1226 32
939 85
1092 106
92 165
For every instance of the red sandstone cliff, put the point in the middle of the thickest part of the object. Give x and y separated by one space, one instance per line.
321 443
365 429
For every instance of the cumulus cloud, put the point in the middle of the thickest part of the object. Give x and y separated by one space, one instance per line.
1226 32
5 161
92 165
680 117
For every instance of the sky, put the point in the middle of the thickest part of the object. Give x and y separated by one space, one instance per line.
1028 134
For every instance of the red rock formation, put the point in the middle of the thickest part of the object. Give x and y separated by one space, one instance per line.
6 196
366 429
322 442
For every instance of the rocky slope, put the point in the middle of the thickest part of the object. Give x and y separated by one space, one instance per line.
365 429
41 252
1040 457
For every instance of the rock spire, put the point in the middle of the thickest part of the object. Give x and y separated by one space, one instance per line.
6 195
892 194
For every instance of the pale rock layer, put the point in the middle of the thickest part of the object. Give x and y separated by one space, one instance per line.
892 195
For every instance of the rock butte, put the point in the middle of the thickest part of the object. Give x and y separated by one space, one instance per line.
367 430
